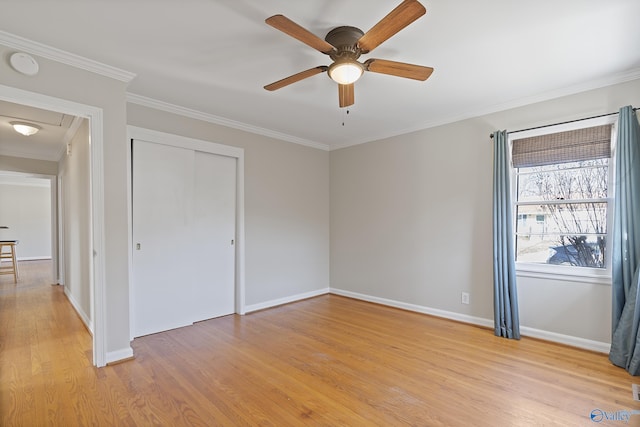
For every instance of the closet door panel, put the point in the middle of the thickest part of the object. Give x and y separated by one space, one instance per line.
163 279
214 235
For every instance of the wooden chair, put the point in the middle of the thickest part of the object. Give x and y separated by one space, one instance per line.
8 252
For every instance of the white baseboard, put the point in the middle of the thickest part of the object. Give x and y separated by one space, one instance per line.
85 319
111 356
598 346
285 300
416 308
118 355
583 343
34 258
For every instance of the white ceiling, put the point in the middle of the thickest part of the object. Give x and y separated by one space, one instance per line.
215 57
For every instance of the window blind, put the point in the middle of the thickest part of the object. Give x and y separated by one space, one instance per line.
562 147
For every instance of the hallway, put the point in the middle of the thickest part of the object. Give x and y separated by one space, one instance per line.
43 342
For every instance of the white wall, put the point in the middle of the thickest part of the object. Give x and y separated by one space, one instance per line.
75 177
286 207
411 222
25 207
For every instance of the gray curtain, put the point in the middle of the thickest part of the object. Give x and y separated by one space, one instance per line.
505 298
625 248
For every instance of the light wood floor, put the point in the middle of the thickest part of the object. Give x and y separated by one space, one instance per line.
327 361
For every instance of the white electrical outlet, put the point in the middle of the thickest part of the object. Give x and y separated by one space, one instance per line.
465 298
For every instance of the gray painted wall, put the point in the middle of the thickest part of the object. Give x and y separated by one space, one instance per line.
75 175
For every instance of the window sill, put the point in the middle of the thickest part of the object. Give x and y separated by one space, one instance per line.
551 272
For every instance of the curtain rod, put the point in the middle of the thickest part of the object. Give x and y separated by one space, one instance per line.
563 123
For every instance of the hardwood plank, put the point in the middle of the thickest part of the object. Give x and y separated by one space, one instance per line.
329 360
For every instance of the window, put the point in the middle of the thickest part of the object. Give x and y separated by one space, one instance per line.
562 197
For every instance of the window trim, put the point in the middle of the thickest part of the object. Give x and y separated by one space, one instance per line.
557 272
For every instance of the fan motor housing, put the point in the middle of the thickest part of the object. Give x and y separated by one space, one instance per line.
345 40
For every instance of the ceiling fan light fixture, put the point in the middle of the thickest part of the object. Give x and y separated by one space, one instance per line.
345 44
24 128
345 72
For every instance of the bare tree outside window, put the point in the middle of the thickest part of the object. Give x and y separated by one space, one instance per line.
562 213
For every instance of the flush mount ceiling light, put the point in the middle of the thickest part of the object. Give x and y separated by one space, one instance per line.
24 63
26 129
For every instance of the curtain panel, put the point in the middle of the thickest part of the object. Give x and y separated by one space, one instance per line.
625 345
505 299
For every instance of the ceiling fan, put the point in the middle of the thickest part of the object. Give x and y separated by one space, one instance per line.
345 44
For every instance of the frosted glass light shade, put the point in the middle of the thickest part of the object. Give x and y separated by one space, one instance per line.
26 129
345 73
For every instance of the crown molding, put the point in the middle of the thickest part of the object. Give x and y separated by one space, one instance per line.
58 55
210 118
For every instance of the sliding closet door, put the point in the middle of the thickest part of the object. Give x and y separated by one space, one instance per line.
183 236
162 201
214 227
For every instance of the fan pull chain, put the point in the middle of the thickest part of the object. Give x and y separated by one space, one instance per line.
344 115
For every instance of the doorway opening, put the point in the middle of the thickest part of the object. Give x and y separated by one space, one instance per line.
28 217
95 258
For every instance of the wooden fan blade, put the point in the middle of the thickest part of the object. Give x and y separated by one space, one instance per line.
346 95
287 26
296 77
400 69
403 15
